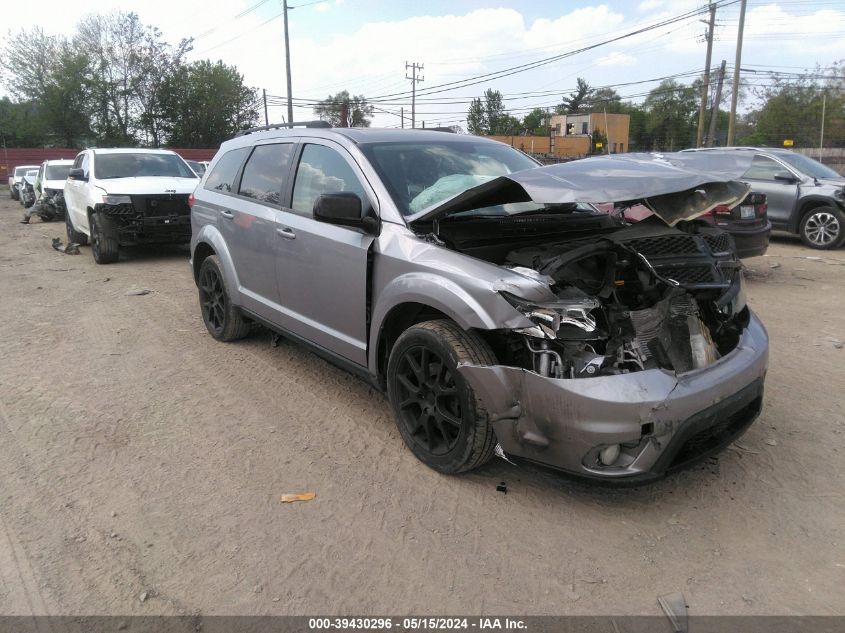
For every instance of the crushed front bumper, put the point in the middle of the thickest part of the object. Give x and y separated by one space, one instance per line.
150 219
661 421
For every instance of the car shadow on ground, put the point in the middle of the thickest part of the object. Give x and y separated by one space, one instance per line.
156 253
516 477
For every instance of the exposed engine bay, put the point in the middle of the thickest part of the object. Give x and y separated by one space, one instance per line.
629 297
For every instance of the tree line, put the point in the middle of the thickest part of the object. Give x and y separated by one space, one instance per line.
787 108
117 82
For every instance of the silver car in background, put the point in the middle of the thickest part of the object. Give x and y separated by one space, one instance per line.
803 195
496 307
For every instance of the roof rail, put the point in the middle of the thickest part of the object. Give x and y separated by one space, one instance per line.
275 126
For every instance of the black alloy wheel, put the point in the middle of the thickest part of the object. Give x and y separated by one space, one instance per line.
212 300
429 405
437 413
222 319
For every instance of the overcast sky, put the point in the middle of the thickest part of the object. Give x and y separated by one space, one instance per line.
362 45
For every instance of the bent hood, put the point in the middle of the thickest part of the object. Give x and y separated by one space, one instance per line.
148 185
675 186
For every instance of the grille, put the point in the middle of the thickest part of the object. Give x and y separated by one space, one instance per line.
719 243
719 434
666 245
690 274
166 204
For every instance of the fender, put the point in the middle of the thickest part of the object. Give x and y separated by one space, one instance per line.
209 234
445 295
804 201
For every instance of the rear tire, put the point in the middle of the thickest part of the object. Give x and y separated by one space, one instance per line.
104 245
222 319
74 236
438 415
823 228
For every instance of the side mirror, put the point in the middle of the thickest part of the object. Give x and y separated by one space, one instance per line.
76 174
344 209
785 176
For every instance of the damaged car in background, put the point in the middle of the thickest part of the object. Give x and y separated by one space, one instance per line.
498 308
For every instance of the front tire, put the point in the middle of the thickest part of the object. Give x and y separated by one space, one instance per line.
104 244
823 228
74 236
222 319
438 414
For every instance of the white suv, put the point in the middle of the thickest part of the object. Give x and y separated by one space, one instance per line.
15 179
124 197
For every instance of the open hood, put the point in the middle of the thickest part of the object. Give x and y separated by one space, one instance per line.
675 186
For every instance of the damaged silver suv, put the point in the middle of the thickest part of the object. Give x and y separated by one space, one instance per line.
500 311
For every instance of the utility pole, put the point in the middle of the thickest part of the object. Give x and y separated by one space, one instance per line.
821 135
737 64
714 111
344 114
414 79
266 118
287 62
402 114
705 88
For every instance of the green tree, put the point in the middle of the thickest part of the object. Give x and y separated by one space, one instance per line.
157 61
114 42
343 110
49 79
604 100
205 103
792 109
494 112
21 124
536 122
476 119
64 102
671 116
577 101
487 116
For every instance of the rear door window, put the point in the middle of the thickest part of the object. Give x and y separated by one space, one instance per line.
222 177
763 168
323 170
265 173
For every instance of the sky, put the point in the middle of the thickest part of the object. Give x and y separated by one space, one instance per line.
363 45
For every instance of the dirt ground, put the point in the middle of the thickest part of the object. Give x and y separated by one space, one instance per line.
139 456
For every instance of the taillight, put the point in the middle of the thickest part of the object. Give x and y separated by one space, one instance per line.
722 211
191 200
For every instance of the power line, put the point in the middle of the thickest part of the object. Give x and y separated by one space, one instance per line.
506 72
232 39
227 22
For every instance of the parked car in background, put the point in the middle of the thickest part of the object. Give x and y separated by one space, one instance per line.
198 167
50 193
499 310
803 196
746 222
15 179
26 188
123 197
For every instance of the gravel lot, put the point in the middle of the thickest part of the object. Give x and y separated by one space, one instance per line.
141 465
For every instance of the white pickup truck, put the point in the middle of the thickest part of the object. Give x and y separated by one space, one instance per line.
124 197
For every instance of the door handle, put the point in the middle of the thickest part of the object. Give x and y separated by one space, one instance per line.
287 233
227 214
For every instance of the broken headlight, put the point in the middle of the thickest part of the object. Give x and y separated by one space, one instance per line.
550 317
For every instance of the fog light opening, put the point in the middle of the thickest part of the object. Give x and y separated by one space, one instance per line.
609 454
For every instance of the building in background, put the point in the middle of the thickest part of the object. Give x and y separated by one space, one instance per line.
573 132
